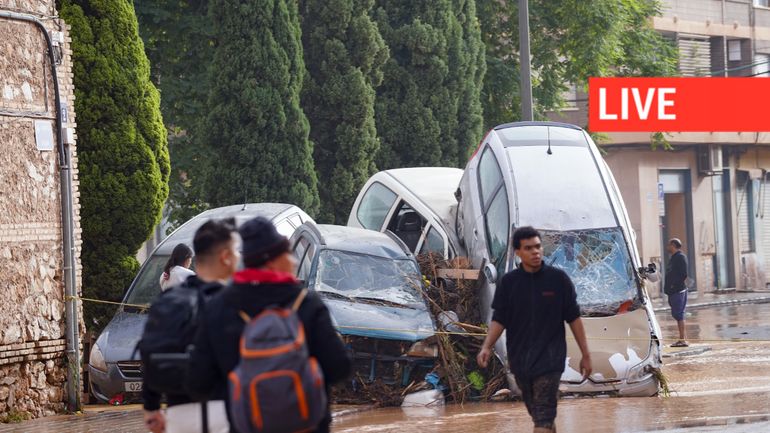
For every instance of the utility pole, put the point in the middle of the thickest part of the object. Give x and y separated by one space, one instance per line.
526 72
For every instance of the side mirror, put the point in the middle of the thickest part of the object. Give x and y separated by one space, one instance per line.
490 272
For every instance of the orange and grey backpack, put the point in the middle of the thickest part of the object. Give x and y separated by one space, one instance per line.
276 386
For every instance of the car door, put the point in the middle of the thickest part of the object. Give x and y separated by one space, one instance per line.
304 247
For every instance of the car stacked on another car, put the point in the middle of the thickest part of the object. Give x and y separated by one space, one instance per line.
113 368
551 176
372 286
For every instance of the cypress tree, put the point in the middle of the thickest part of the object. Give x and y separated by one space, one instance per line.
122 147
344 54
470 76
427 110
256 131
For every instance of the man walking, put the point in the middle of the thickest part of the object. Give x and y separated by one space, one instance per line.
217 256
675 287
267 280
531 305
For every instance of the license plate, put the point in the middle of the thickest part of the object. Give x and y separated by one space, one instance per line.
133 386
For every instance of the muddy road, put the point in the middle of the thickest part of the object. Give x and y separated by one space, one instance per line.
718 381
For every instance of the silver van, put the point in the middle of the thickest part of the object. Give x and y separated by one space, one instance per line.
552 176
112 373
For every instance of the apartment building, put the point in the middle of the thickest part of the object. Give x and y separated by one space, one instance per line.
710 190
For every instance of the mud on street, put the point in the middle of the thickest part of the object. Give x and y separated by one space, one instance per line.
714 382
716 386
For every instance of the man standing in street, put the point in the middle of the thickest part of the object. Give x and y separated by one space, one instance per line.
531 304
675 287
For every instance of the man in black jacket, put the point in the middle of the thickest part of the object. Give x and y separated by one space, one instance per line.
675 287
531 304
267 280
216 257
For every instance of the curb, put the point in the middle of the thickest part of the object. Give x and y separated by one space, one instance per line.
686 352
758 300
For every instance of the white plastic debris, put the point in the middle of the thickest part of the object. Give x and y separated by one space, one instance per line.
431 397
501 395
448 320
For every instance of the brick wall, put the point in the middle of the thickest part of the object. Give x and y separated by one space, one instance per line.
32 340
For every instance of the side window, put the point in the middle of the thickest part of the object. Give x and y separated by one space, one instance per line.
494 202
303 270
299 249
433 243
374 206
497 223
490 177
408 225
285 228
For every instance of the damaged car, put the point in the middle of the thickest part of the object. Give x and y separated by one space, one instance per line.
373 288
114 372
416 204
551 176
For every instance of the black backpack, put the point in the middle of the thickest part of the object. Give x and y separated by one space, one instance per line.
170 329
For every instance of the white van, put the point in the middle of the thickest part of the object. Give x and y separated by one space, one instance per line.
416 204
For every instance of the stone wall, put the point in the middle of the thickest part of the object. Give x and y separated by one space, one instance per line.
32 321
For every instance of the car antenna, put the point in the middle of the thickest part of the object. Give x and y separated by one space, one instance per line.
548 129
245 197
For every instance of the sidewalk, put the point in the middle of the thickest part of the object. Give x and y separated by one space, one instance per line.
114 419
712 299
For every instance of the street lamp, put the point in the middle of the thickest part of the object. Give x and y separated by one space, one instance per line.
526 73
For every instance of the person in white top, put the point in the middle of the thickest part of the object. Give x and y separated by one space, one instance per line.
177 267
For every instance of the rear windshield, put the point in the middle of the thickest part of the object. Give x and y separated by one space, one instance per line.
147 283
598 263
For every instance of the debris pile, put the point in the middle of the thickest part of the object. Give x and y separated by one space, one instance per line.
454 302
451 294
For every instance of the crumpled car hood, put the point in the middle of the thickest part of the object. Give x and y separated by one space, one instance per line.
375 321
118 339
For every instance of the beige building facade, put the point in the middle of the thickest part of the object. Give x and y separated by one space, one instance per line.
34 269
710 190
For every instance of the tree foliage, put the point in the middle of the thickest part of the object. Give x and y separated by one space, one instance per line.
571 40
122 148
255 130
177 39
344 55
426 111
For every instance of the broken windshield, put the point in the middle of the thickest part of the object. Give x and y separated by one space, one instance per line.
597 261
365 277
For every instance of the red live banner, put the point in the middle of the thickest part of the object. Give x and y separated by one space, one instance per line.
678 104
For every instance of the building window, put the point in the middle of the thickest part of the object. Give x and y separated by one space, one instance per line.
763 3
734 50
761 65
570 97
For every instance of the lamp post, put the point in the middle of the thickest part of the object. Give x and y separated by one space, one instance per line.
526 73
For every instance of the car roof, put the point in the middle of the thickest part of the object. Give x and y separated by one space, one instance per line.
434 186
361 241
241 213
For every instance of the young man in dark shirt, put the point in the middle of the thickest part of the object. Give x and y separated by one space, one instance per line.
216 256
675 287
531 304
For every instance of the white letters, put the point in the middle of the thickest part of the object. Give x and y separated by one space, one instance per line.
643 111
603 106
663 103
642 104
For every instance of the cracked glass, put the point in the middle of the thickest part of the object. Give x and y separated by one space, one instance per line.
598 263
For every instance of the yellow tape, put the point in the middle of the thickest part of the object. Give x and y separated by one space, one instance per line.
467 334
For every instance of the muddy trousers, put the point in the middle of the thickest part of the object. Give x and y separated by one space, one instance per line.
540 395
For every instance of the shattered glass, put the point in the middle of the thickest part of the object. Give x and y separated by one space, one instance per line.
598 263
362 277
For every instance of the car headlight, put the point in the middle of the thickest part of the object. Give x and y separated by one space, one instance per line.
96 359
422 349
